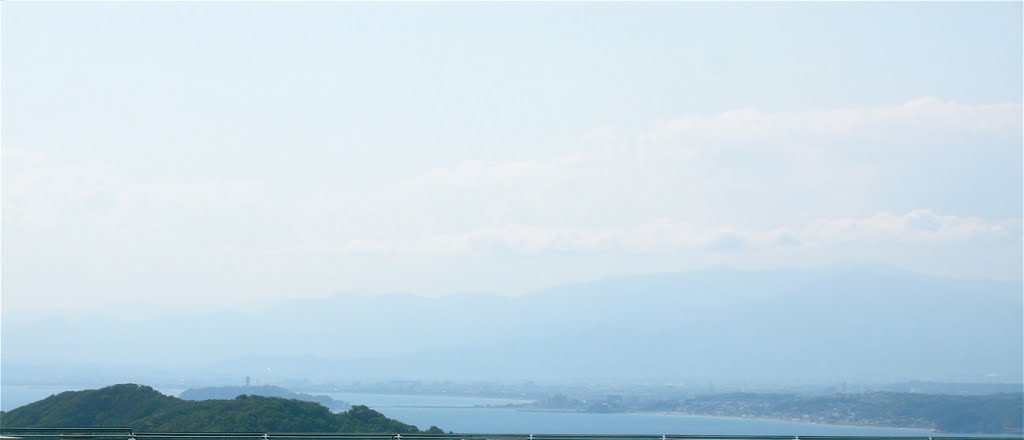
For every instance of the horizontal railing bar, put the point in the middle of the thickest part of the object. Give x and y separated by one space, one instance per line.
129 433
69 435
125 429
74 434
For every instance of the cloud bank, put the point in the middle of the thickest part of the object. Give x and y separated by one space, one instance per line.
929 185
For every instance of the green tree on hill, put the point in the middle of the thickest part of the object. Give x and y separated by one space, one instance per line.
144 409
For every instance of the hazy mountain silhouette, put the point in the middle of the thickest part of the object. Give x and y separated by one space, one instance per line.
846 323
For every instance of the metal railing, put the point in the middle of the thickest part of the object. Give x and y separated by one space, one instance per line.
130 434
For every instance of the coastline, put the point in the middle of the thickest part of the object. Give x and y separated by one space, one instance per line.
789 420
721 417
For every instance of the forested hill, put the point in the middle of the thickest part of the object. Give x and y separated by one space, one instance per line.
230 392
144 409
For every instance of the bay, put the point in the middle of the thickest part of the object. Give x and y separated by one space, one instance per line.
463 414
382 400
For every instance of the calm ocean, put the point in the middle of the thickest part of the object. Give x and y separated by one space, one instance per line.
458 414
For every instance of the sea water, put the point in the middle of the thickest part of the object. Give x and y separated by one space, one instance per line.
467 414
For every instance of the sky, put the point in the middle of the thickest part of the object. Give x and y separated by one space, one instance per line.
187 153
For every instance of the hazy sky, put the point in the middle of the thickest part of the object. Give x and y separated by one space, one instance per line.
193 153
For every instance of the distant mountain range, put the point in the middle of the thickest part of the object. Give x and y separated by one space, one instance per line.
144 409
857 324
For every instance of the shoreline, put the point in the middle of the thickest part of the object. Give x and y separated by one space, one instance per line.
790 420
727 418
452 395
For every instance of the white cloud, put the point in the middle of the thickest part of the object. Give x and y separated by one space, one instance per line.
917 226
787 166
667 236
746 186
742 170
94 202
790 188
925 115
39 194
19 154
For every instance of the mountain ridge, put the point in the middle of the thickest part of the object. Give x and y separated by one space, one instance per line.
145 409
848 323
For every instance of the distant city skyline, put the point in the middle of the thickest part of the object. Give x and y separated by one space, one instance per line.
189 153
